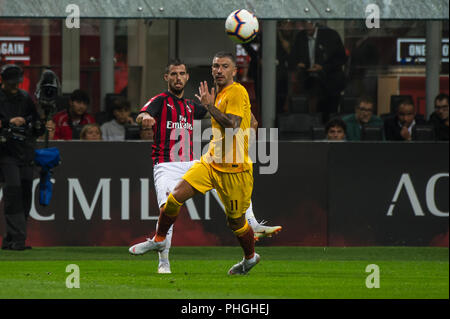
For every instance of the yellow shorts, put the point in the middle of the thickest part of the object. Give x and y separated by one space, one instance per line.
234 189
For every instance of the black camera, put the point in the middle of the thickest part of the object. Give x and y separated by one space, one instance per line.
47 92
18 133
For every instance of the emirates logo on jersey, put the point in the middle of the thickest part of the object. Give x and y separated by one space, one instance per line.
182 123
173 125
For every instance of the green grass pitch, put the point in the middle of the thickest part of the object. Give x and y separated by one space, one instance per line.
201 273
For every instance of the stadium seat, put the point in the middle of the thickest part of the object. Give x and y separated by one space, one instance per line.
337 115
347 105
423 133
371 133
386 116
109 98
102 117
132 132
421 117
318 133
298 125
299 104
62 102
76 131
395 101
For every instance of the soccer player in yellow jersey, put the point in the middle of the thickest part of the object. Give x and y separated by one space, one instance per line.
226 166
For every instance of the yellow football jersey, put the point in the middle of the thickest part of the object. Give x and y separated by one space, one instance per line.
228 148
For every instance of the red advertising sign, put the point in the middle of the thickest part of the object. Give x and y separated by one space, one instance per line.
16 50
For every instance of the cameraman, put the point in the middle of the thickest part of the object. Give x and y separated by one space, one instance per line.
20 125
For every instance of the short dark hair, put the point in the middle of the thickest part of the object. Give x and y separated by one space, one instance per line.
440 97
406 101
175 62
120 103
366 99
79 96
336 122
223 54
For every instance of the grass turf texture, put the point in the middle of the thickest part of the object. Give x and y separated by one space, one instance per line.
201 273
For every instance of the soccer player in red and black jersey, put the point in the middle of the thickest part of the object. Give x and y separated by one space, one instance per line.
170 113
171 117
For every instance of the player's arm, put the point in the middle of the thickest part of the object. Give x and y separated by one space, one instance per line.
254 123
207 115
146 116
226 120
254 126
145 119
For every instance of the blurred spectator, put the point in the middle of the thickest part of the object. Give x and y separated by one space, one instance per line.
146 134
363 116
75 115
319 56
336 130
252 60
439 118
114 130
254 72
363 58
91 132
50 126
400 127
285 39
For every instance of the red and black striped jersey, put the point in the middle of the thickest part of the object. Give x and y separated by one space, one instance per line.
174 127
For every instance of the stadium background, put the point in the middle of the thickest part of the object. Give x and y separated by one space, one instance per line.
323 194
111 203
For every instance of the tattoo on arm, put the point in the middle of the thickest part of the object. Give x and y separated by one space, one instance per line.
236 120
225 120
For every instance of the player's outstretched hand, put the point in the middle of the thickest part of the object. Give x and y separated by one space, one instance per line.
204 96
145 119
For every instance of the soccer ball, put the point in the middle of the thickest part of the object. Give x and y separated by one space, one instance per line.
242 26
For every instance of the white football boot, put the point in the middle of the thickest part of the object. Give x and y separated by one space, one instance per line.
149 244
243 267
164 267
164 264
163 256
260 230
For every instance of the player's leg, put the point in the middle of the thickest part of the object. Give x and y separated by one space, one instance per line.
166 176
259 228
235 191
169 212
167 216
163 256
245 236
196 180
176 175
177 170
